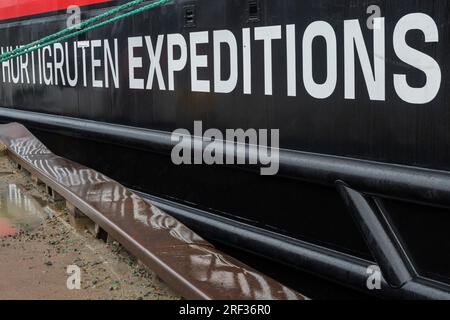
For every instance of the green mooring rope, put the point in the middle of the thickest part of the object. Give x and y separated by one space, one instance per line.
82 28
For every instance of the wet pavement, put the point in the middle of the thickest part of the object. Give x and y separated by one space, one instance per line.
6 228
19 211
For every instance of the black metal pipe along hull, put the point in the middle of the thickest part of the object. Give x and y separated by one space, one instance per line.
389 147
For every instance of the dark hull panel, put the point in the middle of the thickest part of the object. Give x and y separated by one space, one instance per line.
388 147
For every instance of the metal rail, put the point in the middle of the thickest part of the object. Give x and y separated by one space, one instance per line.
380 237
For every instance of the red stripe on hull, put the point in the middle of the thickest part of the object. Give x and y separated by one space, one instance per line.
10 9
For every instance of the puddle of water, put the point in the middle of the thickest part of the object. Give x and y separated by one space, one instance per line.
19 211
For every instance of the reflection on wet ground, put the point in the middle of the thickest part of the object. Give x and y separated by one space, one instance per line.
18 211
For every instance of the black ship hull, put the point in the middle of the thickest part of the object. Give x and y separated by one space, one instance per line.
363 172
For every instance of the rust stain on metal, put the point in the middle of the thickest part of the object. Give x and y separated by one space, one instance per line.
188 263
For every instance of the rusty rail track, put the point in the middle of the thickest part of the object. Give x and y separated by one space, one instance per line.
186 262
